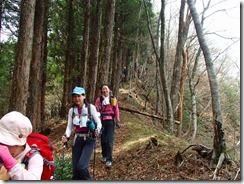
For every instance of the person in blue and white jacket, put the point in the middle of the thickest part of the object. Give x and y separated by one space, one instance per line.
86 129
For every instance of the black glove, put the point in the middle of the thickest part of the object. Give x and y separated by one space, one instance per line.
118 125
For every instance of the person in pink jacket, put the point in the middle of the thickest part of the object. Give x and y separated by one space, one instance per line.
14 129
110 116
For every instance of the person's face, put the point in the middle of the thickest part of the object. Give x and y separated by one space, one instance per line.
15 150
105 91
78 99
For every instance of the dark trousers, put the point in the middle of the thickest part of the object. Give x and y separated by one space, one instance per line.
107 139
81 155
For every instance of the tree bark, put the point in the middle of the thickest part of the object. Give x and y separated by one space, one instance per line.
219 142
181 102
106 45
94 50
69 59
1 11
37 66
169 110
20 84
85 45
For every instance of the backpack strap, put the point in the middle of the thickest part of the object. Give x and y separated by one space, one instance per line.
34 150
89 111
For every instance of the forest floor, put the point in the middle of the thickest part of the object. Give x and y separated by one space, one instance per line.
135 157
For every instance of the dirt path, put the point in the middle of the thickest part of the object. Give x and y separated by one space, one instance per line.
101 171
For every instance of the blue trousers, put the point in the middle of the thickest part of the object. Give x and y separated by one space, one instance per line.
107 139
81 155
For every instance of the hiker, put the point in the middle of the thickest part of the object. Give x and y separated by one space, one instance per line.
14 129
110 117
84 134
124 74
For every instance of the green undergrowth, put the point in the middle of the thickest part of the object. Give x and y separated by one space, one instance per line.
63 167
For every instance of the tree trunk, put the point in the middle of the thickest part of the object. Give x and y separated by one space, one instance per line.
84 50
169 111
94 49
192 87
69 59
37 63
176 87
115 54
20 84
219 142
107 45
180 108
1 11
44 57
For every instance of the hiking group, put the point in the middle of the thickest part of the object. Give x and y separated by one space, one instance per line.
25 155
89 123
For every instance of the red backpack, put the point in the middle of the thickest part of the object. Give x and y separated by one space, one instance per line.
41 143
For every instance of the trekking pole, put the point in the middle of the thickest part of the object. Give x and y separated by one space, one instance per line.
94 159
65 145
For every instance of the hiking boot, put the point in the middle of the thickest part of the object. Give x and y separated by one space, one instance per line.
103 160
109 164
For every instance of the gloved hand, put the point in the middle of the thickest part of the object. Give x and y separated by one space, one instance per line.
95 133
118 125
65 141
8 160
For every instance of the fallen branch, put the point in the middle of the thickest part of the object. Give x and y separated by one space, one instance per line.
237 173
146 114
221 159
200 149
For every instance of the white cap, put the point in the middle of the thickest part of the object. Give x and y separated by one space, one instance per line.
14 129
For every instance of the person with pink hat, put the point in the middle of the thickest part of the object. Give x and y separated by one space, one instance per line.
14 129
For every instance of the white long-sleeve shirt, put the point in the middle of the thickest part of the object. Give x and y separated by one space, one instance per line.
35 167
82 119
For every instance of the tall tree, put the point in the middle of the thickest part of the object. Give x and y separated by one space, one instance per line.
180 66
34 107
94 51
1 11
176 88
44 58
20 84
85 44
69 59
219 141
105 53
169 110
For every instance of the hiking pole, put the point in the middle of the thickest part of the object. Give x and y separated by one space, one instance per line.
65 145
94 159
95 145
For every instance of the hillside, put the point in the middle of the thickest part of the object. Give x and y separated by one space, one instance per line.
144 151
